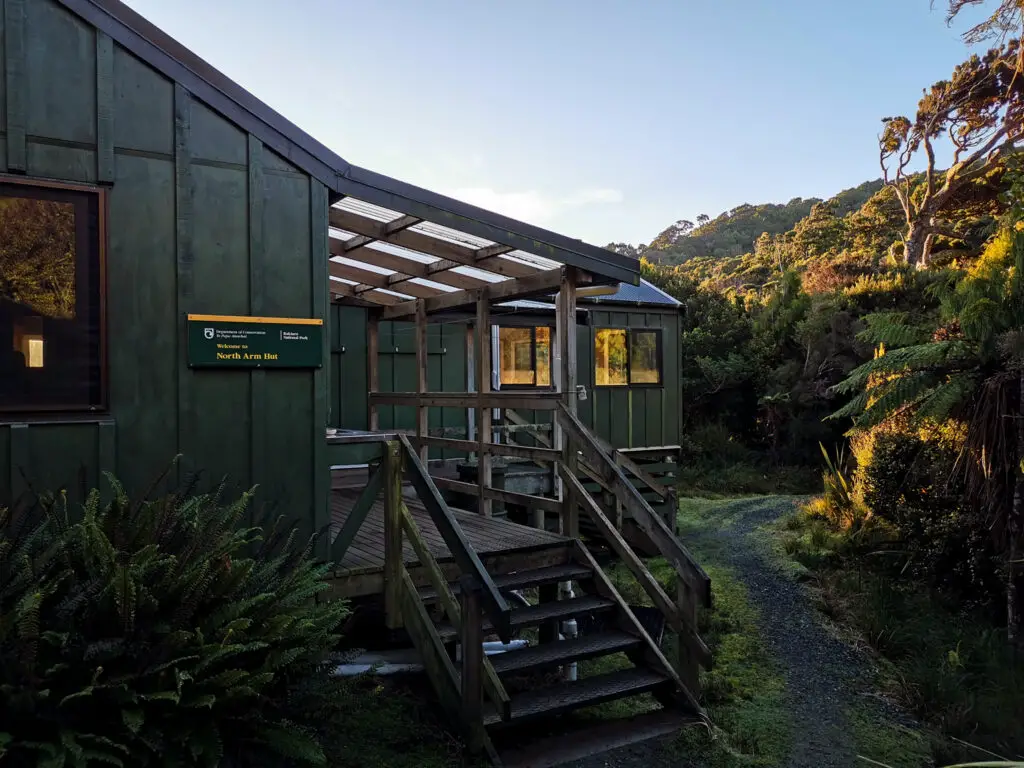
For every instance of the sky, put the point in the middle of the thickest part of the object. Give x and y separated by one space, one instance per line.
604 120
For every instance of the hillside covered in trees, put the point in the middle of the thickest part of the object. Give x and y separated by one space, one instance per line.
875 340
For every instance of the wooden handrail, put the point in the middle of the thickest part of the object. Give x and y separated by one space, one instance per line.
677 620
492 683
668 545
493 604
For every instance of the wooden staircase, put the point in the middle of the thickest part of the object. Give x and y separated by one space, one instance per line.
509 705
641 669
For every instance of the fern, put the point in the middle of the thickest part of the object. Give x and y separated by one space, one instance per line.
156 632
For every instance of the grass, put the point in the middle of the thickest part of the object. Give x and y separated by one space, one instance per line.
744 693
383 724
701 479
884 741
949 667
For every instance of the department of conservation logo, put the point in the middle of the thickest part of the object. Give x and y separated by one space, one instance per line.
208 333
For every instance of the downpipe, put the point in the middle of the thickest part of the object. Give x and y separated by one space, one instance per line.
570 630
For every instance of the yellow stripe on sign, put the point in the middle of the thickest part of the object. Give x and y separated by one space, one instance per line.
242 319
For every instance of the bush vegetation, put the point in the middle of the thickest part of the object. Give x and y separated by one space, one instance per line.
159 632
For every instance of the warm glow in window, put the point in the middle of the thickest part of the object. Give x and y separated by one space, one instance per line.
525 355
33 351
643 358
610 361
624 357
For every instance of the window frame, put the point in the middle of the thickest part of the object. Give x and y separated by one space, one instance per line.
533 357
630 384
15 413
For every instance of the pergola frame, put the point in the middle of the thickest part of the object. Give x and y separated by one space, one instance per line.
481 400
380 257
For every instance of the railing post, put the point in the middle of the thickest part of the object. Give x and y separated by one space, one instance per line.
393 564
472 662
687 662
565 320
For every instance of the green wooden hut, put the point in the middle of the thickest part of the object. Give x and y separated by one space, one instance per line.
175 192
170 248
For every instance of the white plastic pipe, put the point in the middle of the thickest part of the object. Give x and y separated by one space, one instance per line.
570 630
407 660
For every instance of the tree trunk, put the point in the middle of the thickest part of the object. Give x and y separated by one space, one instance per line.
918 245
1014 527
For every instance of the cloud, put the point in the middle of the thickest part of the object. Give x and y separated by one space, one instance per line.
534 206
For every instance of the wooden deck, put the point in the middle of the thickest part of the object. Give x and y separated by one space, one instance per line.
502 545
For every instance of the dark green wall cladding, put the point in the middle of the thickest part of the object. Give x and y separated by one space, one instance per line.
627 416
446 372
201 218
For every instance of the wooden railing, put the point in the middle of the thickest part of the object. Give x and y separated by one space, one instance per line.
461 687
693 586
493 604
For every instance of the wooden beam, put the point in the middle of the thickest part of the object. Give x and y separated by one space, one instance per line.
495 449
432 246
367 293
565 322
368 280
405 268
462 552
422 414
537 284
357 516
483 388
496 494
393 564
538 401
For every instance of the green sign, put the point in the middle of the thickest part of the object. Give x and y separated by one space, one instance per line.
224 341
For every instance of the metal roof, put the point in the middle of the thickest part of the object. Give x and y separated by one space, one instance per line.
645 294
440 223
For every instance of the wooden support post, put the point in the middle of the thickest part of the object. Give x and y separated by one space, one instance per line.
470 383
422 412
472 662
393 565
373 367
483 386
565 320
688 665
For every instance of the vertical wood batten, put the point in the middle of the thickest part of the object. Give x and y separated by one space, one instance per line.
483 383
185 260
104 108
16 82
257 302
18 459
373 364
422 413
321 479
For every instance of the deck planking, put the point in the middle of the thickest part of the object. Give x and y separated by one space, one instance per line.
487 536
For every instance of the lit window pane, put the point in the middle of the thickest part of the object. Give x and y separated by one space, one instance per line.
543 335
49 298
643 358
516 345
610 357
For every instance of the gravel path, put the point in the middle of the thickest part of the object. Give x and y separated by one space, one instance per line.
821 671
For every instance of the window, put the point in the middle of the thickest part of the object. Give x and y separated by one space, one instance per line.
623 357
50 320
525 356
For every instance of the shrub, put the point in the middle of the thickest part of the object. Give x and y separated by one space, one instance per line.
911 481
157 633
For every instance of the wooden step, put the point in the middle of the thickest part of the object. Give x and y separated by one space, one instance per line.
597 737
538 614
563 697
526 579
563 651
